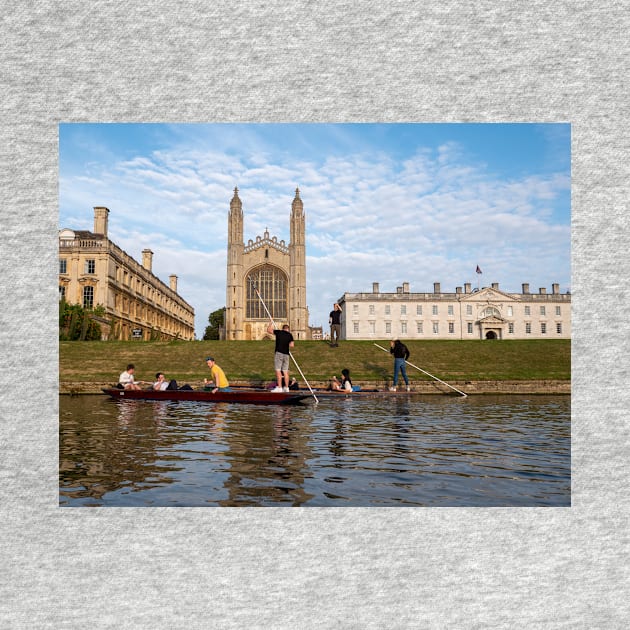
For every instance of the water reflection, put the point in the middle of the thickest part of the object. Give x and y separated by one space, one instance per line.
406 451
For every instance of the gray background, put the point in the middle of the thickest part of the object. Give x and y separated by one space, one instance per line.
335 62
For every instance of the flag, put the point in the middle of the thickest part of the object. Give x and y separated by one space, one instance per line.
478 269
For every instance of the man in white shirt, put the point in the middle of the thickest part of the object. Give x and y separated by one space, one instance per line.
126 379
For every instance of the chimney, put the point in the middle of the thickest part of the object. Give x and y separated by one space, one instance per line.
525 287
543 291
398 289
375 287
458 289
436 287
495 285
555 288
405 287
466 287
147 259
100 220
173 282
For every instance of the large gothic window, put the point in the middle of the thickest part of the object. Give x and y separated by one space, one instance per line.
271 283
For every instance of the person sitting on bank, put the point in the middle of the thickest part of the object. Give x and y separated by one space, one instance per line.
218 382
126 379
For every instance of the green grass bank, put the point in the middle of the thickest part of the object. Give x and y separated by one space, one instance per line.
252 361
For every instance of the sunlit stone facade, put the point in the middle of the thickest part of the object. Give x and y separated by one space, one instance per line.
272 268
487 313
93 271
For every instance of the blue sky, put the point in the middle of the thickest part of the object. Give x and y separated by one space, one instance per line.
387 203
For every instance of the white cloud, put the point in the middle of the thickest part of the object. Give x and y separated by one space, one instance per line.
429 218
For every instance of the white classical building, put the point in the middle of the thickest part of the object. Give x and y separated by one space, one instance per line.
486 313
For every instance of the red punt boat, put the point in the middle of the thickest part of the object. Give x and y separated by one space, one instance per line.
241 395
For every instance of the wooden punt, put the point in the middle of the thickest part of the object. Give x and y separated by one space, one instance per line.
240 395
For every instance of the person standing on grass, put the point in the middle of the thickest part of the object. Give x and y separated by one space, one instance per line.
334 319
401 354
284 343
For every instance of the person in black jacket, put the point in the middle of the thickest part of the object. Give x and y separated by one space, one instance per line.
401 354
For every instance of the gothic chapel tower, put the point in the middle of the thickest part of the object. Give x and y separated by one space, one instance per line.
298 314
266 266
235 245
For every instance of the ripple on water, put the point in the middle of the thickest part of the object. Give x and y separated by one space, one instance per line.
420 451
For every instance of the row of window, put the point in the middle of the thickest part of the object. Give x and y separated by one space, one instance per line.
88 296
451 328
88 267
487 312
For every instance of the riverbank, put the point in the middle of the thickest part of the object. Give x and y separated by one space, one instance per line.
418 387
474 367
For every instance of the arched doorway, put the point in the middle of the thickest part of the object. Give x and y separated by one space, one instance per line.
491 334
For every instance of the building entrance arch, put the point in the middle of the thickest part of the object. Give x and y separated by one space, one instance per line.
491 335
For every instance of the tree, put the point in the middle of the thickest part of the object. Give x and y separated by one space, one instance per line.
75 323
216 319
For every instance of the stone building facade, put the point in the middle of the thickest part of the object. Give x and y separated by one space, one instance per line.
269 268
487 313
94 271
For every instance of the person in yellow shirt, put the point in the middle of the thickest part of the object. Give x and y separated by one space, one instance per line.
219 381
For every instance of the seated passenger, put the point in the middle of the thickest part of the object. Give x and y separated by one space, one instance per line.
346 382
162 384
219 381
126 379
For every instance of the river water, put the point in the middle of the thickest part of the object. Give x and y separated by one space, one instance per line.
345 452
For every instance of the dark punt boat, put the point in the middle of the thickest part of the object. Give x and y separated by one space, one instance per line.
249 396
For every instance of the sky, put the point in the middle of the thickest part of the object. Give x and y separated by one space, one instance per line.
387 203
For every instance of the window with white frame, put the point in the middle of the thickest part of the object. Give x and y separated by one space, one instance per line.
436 328
451 327
468 309
510 311
419 328
435 309
403 328
558 310
90 265
543 328
355 309
388 328
371 309
403 309
528 310
418 309
388 309
372 327
63 265
470 328
450 309
543 310
88 297
528 327
355 327
511 328
559 328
